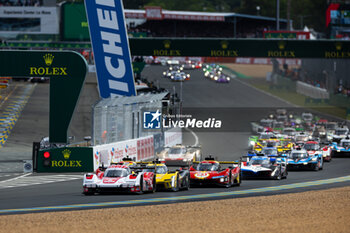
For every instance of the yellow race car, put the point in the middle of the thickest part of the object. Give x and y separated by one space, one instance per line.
169 180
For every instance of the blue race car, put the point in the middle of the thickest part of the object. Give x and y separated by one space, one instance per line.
301 159
342 148
264 167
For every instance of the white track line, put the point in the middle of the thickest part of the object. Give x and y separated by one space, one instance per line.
3 181
194 135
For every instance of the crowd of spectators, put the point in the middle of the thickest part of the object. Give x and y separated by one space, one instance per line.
20 3
341 90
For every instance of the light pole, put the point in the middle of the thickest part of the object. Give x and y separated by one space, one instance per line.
257 10
277 15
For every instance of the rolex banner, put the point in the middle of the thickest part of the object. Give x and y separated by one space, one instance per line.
65 159
111 47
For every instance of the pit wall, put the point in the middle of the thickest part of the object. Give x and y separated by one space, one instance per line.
139 149
88 159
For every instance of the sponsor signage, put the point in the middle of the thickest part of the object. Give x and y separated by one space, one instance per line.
66 70
66 159
30 20
111 48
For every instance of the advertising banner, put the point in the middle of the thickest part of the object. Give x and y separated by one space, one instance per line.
111 48
65 159
145 148
114 152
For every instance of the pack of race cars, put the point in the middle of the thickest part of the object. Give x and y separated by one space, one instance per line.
215 72
282 143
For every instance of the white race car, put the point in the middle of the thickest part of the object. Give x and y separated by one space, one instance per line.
119 178
180 154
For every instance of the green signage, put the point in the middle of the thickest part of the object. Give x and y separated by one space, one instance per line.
66 159
67 71
289 35
74 22
208 47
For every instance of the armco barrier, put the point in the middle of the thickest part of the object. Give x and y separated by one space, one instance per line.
65 159
311 91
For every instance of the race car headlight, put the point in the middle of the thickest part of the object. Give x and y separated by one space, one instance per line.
322 133
338 150
172 77
211 76
252 143
215 78
314 159
222 179
305 163
164 73
228 79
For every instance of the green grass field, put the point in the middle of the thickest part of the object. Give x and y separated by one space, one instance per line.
291 96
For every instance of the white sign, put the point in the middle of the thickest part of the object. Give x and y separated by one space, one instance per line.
47 18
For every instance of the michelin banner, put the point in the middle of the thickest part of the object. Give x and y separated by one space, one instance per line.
111 48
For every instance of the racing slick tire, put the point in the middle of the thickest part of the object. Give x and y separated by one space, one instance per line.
187 183
141 185
238 181
316 166
229 184
321 164
177 187
90 192
154 188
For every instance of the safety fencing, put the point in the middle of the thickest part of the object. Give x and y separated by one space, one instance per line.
311 91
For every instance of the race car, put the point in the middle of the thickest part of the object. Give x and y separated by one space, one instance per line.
301 159
313 147
169 180
221 78
119 178
180 154
210 172
342 148
264 167
339 134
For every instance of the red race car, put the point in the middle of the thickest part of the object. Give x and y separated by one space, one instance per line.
211 172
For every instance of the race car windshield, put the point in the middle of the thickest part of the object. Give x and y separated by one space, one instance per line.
177 151
346 144
273 143
301 138
331 126
307 117
265 136
269 151
340 131
298 155
161 170
116 173
208 167
263 162
289 131
311 147
278 125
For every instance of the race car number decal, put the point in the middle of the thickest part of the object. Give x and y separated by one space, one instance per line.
201 175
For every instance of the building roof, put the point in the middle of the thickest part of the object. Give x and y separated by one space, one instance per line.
156 13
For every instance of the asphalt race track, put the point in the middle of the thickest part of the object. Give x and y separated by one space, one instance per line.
235 103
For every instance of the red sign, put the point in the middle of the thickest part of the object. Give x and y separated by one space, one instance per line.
154 13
